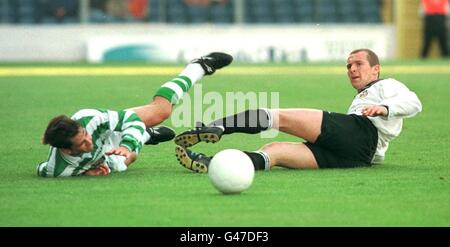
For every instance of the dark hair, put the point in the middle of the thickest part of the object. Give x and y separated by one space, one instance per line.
371 56
59 132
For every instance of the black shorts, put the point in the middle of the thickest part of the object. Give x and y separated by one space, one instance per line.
345 141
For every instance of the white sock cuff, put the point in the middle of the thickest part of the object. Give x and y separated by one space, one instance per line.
266 159
194 71
269 116
145 137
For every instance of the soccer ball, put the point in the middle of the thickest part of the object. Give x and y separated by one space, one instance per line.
231 171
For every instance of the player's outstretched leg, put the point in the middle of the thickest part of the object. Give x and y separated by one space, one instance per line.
172 91
249 122
196 162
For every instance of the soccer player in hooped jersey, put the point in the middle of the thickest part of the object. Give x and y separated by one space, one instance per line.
333 140
96 142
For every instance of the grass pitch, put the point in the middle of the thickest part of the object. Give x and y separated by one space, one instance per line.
410 189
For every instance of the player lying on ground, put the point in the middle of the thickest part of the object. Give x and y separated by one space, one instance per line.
333 140
95 142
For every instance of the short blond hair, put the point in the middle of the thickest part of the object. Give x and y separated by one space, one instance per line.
371 56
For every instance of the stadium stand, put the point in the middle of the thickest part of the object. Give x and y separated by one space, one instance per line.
348 11
304 10
222 13
326 11
209 11
259 11
176 11
370 11
283 11
197 13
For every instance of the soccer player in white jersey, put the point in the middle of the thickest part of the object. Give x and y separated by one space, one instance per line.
333 140
95 141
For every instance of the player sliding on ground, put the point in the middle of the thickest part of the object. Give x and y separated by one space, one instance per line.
333 140
95 142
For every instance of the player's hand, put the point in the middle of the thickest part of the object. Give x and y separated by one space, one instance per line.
375 111
120 151
102 170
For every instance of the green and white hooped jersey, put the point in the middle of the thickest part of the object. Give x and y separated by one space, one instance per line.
109 129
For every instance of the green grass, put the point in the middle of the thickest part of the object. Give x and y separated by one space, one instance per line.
410 189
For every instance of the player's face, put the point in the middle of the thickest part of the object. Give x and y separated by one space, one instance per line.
81 142
359 70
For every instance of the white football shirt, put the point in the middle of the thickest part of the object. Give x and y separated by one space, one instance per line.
401 102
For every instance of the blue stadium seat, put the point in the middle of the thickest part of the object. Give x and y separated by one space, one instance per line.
154 14
258 11
262 15
283 11
171 3
304 10
221 13
370 11
348 11
369 3
371 17
197 14
282 3
176 14
326 11
69 20
4 12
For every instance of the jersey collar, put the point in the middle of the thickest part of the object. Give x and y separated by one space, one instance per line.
369 85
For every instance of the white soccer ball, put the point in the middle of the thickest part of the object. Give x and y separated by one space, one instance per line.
231 171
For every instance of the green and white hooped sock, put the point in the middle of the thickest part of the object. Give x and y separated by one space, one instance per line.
174 89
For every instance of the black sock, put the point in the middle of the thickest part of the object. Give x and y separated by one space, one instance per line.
250 122
258 160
